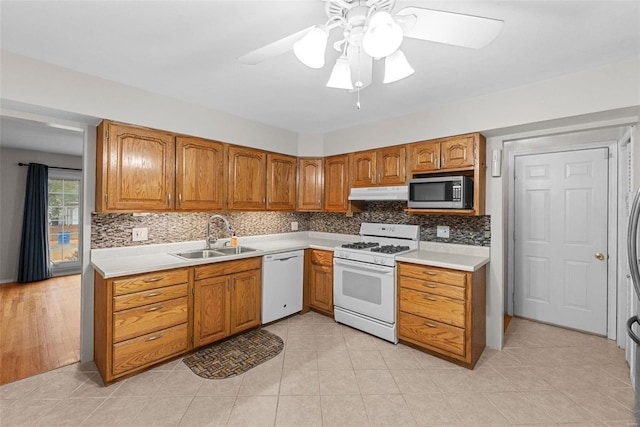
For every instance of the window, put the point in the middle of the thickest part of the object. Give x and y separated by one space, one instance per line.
64 218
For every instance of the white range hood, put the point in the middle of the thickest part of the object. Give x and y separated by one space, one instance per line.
379 193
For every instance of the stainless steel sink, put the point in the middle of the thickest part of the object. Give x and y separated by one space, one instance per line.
230 250
216 252
199 254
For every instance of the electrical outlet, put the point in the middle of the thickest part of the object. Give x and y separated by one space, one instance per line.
294 226
442 231
139 234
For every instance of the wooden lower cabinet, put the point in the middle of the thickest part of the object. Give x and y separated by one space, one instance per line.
320 280
443 311
227 299
140 320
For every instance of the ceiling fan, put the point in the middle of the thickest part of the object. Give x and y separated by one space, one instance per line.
370 31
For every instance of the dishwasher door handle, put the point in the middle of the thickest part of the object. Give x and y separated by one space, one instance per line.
286 259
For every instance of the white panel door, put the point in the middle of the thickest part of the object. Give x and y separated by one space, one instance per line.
560 228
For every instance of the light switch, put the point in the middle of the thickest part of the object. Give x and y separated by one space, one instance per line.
294 226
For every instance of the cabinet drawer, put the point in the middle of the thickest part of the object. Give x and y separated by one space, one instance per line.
150 296
322 257
434 307
148 349
143 282
143 320
431 333
433 274
228 267
422 285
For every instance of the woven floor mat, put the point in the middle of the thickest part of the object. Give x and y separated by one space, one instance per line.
235 355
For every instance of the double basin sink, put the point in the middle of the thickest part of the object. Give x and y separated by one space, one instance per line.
214 252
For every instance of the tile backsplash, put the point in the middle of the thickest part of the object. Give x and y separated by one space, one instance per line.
114 230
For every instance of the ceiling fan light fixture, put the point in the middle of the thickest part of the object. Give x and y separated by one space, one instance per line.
341 75
396 67
383 37
311 48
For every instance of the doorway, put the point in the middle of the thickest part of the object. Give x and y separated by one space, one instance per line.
560 238
41 320
606 140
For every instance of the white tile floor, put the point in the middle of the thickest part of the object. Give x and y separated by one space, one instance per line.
331 375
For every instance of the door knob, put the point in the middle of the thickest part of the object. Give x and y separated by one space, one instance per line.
599 256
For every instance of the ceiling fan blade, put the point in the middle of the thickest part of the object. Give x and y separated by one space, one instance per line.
271 50
451 28
361 67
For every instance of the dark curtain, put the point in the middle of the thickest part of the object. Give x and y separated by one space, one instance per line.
34 261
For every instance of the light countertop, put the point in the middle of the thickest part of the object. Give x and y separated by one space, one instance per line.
115 262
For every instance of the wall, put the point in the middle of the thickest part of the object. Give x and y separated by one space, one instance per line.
611 87
13 179
114 230
42 84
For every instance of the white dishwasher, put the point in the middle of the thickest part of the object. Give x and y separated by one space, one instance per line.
282 276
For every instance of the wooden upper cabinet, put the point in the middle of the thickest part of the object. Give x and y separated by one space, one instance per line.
200 174
363 169
454 153
310 183
391 165
424 156
457 152
382 167
281 182
336 183
247 178
135 168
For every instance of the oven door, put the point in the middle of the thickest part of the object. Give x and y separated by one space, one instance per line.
366 289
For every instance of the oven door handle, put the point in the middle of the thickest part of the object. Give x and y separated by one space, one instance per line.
364 266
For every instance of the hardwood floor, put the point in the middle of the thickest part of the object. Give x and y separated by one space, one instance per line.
39 326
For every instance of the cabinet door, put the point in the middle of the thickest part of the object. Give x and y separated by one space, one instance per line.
310 175
247 178
363 169
200 174
391 166
140 169
424 156
321 287
457 153
210 310
336 184
281 182
245 300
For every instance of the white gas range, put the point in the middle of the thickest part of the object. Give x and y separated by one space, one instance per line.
364 277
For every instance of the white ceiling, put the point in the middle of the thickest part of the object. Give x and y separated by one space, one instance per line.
189 50
39 136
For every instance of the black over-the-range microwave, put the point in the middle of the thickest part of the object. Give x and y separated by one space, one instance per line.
442 192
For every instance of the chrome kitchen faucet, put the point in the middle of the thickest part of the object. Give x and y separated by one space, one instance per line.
207 242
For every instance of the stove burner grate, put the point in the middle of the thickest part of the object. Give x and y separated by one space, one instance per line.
360 245
390 249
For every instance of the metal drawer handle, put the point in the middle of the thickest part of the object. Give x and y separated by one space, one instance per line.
430 273
430 285
154 308
154 294
431 298
153 279
154 337
429 325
